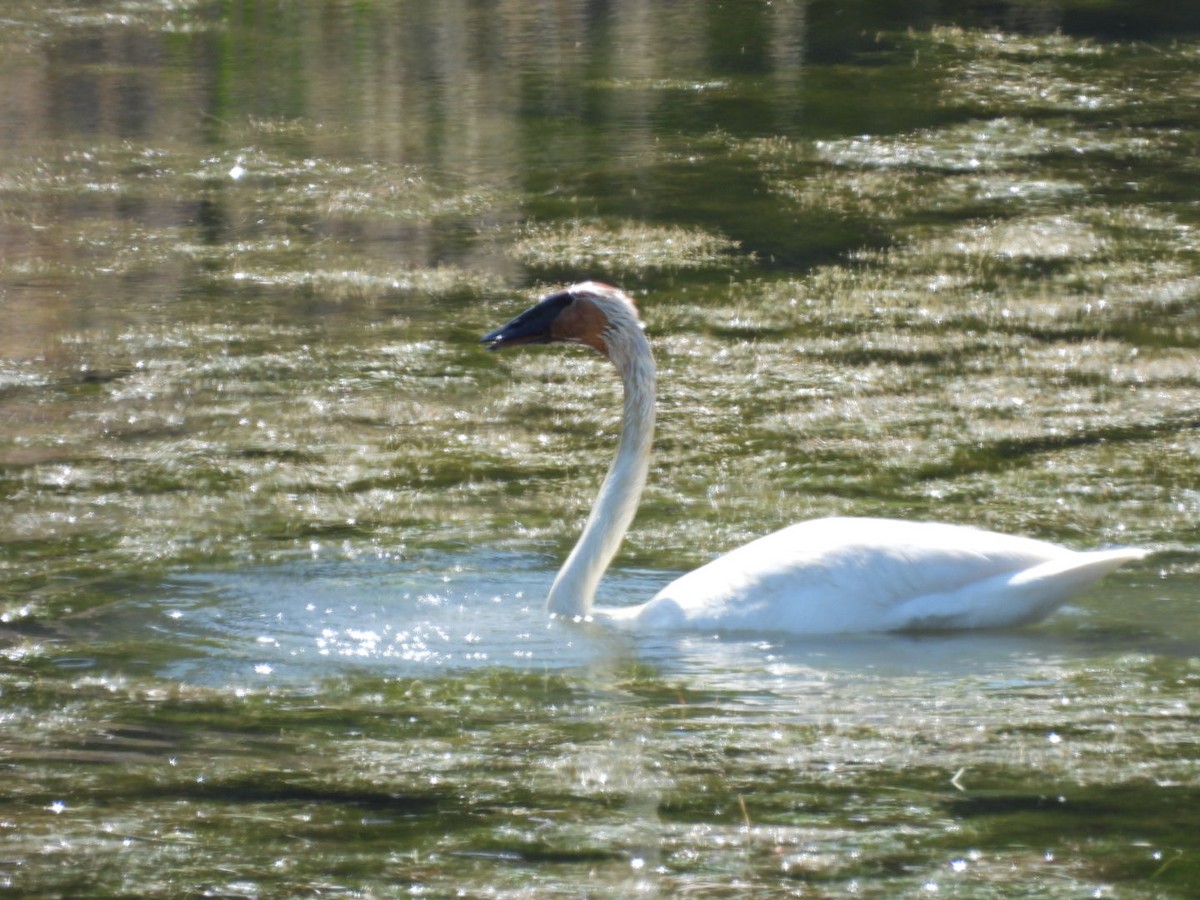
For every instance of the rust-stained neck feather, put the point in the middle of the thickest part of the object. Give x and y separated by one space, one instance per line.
581 322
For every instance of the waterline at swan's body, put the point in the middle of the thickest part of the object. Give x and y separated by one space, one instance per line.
839 575
817 577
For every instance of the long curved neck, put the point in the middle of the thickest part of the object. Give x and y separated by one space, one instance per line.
574 587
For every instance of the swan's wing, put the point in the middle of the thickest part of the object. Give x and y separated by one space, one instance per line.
845 574
1009 599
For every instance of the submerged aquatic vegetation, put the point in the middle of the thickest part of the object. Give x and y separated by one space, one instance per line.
624 248
636 780
277 531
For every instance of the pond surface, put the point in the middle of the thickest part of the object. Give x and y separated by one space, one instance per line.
276 532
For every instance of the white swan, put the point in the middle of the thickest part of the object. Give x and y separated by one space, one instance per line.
816 577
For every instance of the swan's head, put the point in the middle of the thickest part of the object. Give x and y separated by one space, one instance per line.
588 313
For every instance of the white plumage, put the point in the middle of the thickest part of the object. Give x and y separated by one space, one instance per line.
822 576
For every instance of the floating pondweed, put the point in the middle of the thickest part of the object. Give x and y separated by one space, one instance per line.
277 533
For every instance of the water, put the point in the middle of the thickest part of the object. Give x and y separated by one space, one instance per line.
276 531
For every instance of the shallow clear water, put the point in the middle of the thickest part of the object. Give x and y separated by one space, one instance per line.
276 532
452 613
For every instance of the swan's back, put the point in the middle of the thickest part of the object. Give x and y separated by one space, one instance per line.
853 574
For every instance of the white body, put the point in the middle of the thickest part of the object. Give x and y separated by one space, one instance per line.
838 575
817 577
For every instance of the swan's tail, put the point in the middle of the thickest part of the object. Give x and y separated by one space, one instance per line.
1010 600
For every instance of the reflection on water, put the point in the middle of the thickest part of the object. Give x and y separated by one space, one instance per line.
292 624
276 533
302 621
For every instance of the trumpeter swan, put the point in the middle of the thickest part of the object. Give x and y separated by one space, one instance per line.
816 577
